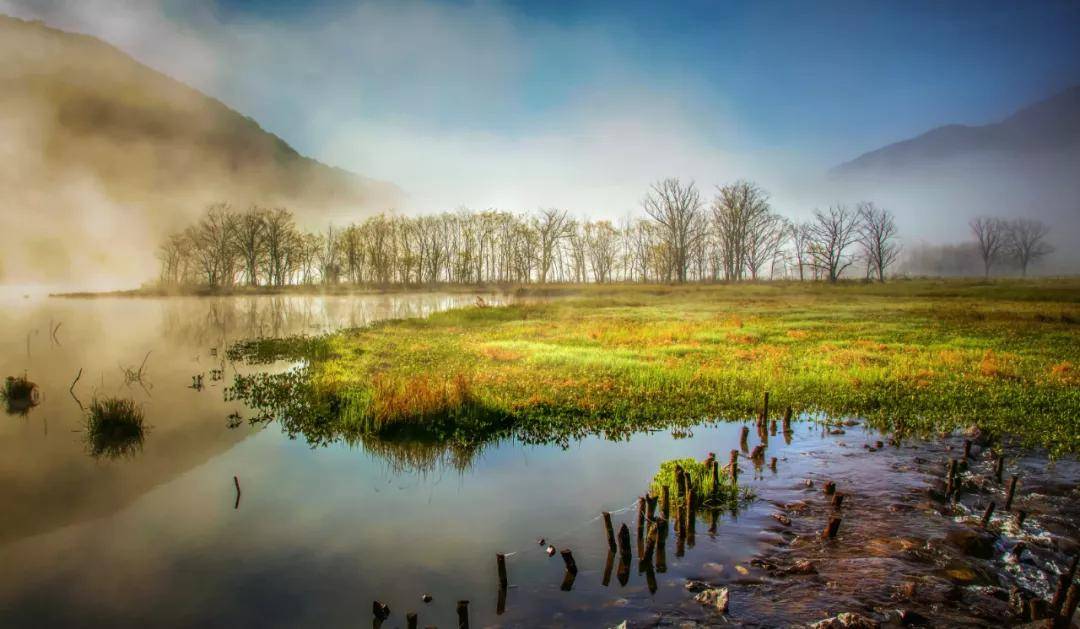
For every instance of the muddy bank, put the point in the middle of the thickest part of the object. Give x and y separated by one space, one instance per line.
904 554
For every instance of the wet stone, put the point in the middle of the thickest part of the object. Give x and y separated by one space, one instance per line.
847 620
972 542
716 598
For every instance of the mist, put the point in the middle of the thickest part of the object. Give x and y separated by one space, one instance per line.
455 105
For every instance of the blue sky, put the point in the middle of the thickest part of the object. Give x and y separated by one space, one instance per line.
850 74
581 104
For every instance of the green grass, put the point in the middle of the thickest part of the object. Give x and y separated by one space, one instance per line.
20 394
114 427
917 355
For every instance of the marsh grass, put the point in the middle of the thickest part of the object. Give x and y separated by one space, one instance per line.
726 494
114 428
612 360
20 394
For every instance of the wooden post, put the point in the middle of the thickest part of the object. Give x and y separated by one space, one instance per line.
679 488
568 559
837 500
950 487
691 515
410 620
765 407
715 479
665 501
967 448
787 420
1062 590
831 528
641 525
1011 492
650 544
1021 515
999 466
734 466
772 464
1069 608
610 531
830 488
463 614
650 506
624 540
500 560
988 514
743 436
608 565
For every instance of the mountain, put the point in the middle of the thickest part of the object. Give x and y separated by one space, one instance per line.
1048 126
1024 166
105 152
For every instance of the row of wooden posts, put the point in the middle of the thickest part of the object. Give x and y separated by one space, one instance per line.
1062 606
653 528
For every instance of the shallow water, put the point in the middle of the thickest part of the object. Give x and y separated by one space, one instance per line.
318 534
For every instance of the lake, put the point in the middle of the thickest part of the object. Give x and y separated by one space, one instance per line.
159 538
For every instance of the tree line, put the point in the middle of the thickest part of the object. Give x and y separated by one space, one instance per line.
679 237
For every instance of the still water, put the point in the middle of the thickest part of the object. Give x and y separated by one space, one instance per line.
159 539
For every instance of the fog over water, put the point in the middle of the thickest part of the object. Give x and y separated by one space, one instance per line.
512 107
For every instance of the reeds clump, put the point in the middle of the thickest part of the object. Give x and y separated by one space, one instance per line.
114 427
700 472
20 394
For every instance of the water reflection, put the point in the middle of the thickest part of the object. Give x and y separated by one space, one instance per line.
54 473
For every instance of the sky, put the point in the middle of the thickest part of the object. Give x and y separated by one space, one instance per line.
520 105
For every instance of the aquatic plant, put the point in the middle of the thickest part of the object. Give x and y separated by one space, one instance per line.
613 360
115 427
709 494
20 394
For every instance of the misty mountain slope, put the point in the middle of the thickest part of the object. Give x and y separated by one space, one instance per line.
100 149
1048 126
1025 165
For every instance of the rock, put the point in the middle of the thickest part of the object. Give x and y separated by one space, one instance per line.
381 610
551 551
847 620
801 566
975 543
693 585
621 625
426 598
910 618
782 519
716 598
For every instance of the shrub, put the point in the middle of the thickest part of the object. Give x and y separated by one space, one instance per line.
114 427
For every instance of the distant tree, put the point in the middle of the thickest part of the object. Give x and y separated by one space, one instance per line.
990 236
877 236
831 235
281 240
744 224
552 226
799 235
1025 242
248 234
601 242
676 209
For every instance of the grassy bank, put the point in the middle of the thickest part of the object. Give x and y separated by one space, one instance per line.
918 354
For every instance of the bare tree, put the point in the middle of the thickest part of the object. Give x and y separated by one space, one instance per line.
831 234
248 235
677 210
1025 241
990 237
743 220
551 226
877 236
799 234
